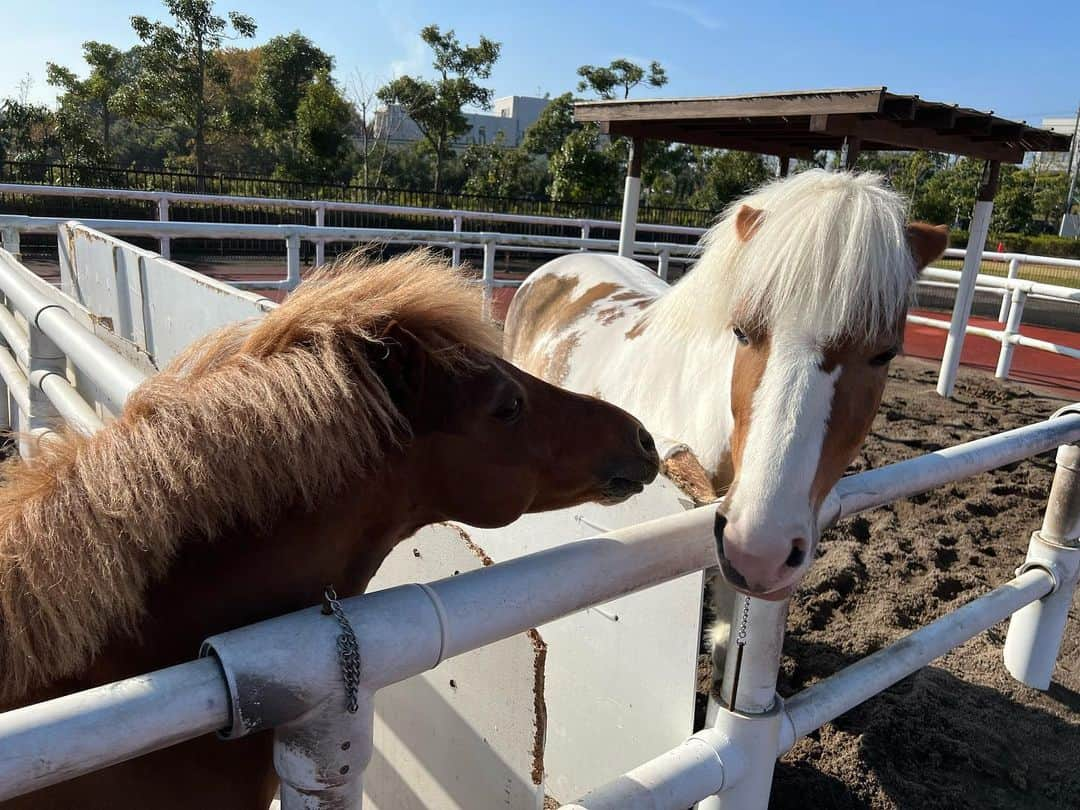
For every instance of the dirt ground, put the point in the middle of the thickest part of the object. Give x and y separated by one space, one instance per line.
960 733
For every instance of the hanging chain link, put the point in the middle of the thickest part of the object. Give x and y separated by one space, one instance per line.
347 646
740 643
740 636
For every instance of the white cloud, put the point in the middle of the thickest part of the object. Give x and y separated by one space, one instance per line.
699 15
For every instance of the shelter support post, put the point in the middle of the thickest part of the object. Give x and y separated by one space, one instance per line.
852 148
754 725
980 226
785 166
1035 632
631 198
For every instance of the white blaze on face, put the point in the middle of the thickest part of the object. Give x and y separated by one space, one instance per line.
771 506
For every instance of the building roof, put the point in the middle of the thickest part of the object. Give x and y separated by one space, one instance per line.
799 122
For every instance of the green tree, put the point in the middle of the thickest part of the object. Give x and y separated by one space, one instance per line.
1014 204
620 74
180 62
583 170
1049 190
28 132
101 91
323 126
287 66
727 175
498 171
555 123
435 106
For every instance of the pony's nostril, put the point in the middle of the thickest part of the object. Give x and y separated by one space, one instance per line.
719 523
645 439
797 555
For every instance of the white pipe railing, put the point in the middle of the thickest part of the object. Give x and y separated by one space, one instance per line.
410 629
34 361
293 235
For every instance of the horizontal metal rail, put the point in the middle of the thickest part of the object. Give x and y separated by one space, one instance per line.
826 700
461 214
410 629
114 375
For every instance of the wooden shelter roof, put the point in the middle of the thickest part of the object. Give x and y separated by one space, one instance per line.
799 122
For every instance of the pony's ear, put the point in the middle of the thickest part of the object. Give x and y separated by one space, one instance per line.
927 242
747 221
401 363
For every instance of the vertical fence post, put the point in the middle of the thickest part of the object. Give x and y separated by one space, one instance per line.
631 198
965 291
1016 315
489 278
456 250
1014 272
11 242
292 261
45 358
165 245
663 264
585 229
1034 638
754 726
320 245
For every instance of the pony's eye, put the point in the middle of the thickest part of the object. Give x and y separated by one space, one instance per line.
883 358
510 411
740 336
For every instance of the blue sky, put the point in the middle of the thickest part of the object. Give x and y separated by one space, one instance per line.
1020 60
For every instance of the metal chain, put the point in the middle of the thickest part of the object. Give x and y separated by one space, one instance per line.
347 646
740 637
740 642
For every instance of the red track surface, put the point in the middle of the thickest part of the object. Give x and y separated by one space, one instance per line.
1028 365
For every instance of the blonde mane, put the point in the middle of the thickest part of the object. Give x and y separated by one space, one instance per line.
255 419
830 253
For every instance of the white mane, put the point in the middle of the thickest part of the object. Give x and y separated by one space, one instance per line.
831 253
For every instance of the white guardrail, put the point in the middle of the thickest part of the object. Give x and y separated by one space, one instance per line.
410 629
1013 290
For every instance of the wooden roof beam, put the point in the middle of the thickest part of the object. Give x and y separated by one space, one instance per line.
742 142
890 132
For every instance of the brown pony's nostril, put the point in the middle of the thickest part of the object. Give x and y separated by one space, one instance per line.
645 439
797 555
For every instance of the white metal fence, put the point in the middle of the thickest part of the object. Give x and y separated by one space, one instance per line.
410 629
1013 288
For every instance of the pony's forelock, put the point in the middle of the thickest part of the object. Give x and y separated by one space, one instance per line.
829 255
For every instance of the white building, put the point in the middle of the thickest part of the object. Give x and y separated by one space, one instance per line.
1056 161
511 115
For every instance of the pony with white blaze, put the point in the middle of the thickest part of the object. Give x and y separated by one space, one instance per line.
768 359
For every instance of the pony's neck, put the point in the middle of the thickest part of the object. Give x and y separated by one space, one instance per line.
261 574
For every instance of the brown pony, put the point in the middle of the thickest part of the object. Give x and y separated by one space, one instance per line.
272 458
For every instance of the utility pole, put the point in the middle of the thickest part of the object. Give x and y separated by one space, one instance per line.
1072 172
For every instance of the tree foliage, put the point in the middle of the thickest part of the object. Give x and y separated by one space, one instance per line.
621 74
179 63
436 106
100 95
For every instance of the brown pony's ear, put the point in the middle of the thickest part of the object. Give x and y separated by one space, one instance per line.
747 221
401 363
927 242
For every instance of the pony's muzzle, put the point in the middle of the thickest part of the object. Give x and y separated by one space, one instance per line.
771 575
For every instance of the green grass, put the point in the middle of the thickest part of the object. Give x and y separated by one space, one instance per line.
1043 273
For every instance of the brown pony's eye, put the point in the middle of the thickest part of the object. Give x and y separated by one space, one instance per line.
883 358
740 336
510 411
